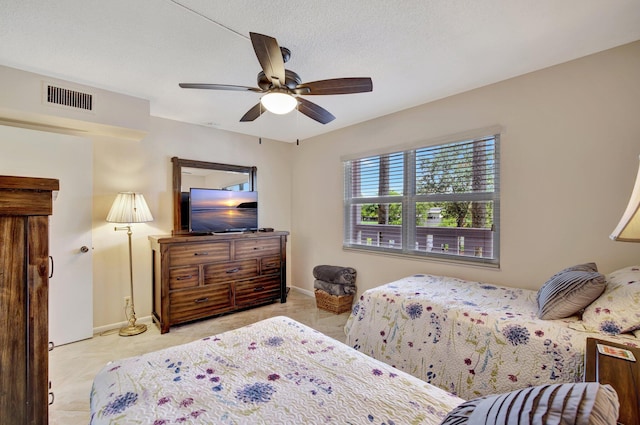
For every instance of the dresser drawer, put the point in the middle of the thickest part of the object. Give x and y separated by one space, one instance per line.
183 277
193 304
270 265
199 253
252 248
258 290
233 270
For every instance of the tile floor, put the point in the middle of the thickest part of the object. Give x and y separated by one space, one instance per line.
73 366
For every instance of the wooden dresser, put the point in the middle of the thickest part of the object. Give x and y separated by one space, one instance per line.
25 204
201 276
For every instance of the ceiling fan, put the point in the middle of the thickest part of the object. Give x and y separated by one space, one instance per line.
282 87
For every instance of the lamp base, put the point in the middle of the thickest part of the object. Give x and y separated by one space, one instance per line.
132 330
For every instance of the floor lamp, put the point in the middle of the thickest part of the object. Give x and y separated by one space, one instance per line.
130 207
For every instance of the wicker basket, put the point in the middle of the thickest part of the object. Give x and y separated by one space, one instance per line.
334 303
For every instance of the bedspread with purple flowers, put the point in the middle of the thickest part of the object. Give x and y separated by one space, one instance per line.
469 338
276 371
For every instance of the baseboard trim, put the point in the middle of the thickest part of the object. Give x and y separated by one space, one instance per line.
304 291
101 329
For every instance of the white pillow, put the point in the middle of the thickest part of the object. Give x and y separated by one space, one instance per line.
617 310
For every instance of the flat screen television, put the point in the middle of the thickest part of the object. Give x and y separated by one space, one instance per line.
217 210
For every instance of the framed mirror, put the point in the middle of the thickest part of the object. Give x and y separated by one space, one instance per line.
188 173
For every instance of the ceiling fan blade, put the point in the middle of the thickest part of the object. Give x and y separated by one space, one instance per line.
218 87
270 57
252 113
314 111
336 86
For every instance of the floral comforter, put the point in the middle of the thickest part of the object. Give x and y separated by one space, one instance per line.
469 338
276 371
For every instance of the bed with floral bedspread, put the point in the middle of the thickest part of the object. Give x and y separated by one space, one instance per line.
469 338
276 371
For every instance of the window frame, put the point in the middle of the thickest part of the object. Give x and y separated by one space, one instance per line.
410 198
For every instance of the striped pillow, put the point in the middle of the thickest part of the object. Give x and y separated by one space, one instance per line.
584 403
569 291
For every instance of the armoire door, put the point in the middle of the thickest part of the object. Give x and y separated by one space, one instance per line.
13 317
25 207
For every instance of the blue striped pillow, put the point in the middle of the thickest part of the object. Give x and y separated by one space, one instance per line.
570 291
584 403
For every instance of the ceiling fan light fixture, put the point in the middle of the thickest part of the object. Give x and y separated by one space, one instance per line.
281 87
279 102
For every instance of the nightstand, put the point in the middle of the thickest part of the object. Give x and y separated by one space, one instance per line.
622 375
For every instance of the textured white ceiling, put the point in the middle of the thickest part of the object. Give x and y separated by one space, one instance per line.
415 51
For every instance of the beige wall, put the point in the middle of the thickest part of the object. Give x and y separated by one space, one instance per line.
114 114
122 162
569 158
145 166
569 152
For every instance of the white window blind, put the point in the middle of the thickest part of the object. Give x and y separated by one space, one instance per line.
434 201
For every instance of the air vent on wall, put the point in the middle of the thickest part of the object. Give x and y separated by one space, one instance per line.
69 98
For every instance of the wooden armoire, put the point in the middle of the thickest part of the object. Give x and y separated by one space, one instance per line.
25 206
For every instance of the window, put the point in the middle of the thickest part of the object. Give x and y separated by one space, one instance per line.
438 201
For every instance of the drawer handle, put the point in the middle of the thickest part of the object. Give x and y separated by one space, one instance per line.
201 253
259 288
51 398
201 300
184 277
270 265
236 270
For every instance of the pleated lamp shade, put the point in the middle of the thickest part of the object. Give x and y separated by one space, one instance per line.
628 230
129 207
